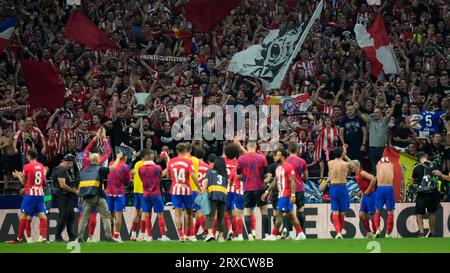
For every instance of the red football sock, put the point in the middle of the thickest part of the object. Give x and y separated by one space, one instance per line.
227 222
274 230
202 221
196 225
377 221
180 233
390 223
134 227
162 225
143 226
92 223
239 226
233 224
187 231
298 229
43 228
148 225
79 218
28 228
373 225
22 225
342 220
253 222
336 223
366 225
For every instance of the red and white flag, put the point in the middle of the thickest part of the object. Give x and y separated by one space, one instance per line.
377 47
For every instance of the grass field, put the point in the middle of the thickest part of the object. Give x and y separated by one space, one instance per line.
404 245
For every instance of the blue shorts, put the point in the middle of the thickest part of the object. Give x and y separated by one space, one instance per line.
368 203
238 201
152 202
138 200
284 204
182 201
340 200
385 196
116 204
32 205
230 199
195 207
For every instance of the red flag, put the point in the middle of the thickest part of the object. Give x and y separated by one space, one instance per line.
205 15
81 30
44 85
394 158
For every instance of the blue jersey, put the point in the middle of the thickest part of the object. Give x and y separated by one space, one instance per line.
430 121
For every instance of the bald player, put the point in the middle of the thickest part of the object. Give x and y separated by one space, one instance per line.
340 201
384 195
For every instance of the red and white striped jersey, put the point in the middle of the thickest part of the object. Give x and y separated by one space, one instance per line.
180 169
231 165
16 125
34 175
283 173
326 141
29 139
327 109
308 66
62 137
202 170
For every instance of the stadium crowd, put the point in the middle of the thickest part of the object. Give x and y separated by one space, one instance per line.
350 106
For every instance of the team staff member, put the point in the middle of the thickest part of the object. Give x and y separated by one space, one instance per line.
427 200
90 188
64 194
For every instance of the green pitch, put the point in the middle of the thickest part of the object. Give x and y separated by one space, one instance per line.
403 245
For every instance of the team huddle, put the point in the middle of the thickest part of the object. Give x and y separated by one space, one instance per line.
250 182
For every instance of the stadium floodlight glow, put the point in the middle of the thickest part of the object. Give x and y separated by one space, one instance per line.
141 100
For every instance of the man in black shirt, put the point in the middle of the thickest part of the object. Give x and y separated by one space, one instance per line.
427 196
64 192
435 150
121 127
353 133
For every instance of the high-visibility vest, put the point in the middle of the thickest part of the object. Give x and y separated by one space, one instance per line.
90 184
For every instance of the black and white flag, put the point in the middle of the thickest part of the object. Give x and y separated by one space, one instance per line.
270 61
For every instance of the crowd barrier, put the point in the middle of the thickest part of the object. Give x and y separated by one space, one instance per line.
318 223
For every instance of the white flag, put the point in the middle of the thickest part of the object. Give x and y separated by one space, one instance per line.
270 61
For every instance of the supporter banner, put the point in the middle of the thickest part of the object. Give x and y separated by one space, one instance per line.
14 108
318 223
163 58
270 61
291 105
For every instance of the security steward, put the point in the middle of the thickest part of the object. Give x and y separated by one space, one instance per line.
217 182
92 182
426 182
64 192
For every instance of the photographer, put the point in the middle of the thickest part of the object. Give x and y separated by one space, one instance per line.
424 177
64 192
